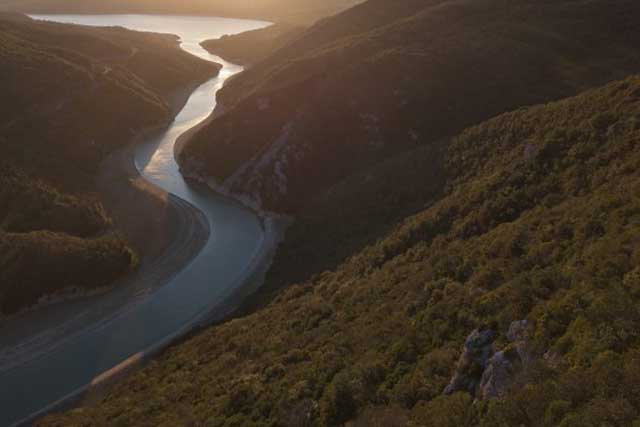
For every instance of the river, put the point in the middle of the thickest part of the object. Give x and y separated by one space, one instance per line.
59 359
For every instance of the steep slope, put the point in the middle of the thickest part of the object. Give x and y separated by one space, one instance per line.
305 11
70 96
536 219
385 77
253 46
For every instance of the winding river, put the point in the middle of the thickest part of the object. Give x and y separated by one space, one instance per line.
56 360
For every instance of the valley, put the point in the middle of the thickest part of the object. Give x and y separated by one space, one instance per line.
412 213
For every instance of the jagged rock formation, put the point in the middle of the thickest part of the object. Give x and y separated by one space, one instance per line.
505 365
487 374
478 349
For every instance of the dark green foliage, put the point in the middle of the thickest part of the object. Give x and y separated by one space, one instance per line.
338 403
448 411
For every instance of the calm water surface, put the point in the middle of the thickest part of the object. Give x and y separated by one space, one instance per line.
57 352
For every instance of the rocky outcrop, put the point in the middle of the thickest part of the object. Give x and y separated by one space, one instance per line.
505 365
487 374
478 349
518 331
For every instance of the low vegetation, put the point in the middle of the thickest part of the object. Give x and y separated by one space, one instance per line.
536 217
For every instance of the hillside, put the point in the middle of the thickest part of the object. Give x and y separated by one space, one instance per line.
70 96
305 11
386 77
528 247
55 72
254 46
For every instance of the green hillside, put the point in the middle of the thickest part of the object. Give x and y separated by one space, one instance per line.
386 77
70 96
536 218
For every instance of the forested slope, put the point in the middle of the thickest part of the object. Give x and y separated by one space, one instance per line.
532 240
